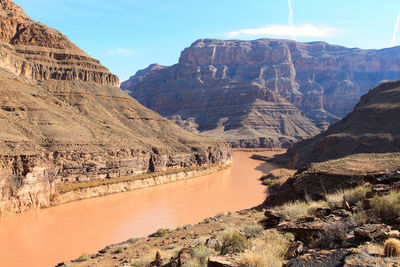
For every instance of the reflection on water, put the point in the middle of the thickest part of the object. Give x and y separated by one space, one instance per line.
46 237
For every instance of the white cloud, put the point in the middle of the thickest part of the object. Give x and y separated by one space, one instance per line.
305 30
395 31
120 52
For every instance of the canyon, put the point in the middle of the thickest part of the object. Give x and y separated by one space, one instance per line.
64 119
262 93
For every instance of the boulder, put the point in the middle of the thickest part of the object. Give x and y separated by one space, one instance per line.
219 262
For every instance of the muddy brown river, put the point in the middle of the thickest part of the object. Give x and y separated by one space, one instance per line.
49 236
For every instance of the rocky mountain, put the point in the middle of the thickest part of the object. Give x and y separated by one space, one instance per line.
63 118
265 92
372 127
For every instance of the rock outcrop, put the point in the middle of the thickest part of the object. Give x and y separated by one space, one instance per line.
372 127
265 92
38 52
64 119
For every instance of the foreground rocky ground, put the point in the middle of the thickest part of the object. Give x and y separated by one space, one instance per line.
345 228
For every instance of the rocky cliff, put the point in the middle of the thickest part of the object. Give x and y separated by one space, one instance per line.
64 119
372 127
264 92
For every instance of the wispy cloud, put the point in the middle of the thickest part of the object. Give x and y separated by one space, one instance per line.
395 31
290 18
120 52
305 30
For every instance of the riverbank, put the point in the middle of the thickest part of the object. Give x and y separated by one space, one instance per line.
47 236
71 191
351 223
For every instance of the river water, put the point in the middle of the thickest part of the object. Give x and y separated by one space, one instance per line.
48 236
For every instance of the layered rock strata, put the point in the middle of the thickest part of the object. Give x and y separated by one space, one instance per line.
64 119
230 88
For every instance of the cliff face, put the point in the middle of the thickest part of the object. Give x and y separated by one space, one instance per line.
320 83
63 119
38 52
372 127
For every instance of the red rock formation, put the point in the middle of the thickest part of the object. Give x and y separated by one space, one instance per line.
323 81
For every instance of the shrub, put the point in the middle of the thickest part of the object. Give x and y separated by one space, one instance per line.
353 196
233 243
294 210
267 252
387 207
160 232
314 205
334 199
391 248
121 249
201 253
252 230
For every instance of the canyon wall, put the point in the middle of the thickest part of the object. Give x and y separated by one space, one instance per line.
277 90
64 119
372 127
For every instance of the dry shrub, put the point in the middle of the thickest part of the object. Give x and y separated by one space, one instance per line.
353 196
391 248
267 252
201 253
387 207
233 243
294 210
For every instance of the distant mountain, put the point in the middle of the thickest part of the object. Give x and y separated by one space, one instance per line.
265 92
63 118
372 127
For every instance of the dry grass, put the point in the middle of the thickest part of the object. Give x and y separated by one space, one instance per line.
387 207
233 243
65 187
352 196
266 252
294 210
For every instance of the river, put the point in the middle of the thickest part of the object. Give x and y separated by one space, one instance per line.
48 236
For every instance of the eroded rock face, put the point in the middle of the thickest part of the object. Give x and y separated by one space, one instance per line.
38 52
233 89
58 126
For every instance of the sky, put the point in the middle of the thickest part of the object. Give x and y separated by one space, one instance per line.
128 35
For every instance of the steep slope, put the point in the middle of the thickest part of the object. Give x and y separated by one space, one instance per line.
320 82
63 119
372 127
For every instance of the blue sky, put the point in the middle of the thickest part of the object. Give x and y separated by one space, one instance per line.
127 35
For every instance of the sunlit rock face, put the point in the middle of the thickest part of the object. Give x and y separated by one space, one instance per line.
265 92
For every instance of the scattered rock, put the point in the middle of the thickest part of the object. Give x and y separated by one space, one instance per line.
295 249
219 262
371 232
213 243
328 258
273 218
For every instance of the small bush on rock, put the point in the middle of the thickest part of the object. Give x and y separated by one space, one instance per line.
391 248
353 196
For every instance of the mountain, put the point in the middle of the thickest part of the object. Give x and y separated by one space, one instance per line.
63 118
372 127
264 92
